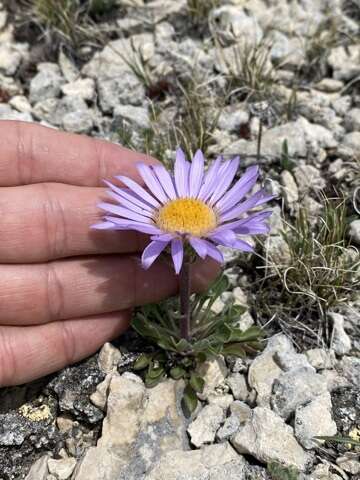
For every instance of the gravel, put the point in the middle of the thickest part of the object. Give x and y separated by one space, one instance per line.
97 419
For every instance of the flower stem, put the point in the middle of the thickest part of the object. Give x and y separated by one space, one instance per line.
184 292
259 139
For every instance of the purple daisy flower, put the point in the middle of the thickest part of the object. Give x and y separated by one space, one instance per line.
194 206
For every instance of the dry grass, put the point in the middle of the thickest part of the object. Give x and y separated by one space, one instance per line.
250 74
196 112
328 35
69 22
199 10
197 117
321 272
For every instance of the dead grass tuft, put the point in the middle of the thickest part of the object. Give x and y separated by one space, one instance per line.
321 270
250 74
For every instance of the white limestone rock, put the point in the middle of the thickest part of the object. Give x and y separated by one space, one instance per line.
203 429
314 419
267 438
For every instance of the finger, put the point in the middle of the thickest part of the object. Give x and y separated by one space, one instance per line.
27 353
31 153
51 220
65 289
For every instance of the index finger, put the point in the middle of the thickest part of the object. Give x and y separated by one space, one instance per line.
31 153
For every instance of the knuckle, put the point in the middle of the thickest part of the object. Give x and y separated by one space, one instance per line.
24 154
54 222
100 161
55 292
68 343
7 360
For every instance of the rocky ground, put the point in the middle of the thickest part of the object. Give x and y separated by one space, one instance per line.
219 75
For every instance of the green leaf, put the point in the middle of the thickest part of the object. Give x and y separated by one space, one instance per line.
224 333
187 362
160 356
201 357
152 382
279 472
220 286
234 312
189 401
166 345
142 361
145 328
209 346
252 333
155 372
183 345
235 349
177 372
197 383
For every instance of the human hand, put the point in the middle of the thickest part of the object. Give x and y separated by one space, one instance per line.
66 289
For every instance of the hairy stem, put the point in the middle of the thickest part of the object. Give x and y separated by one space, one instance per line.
258 150
185 288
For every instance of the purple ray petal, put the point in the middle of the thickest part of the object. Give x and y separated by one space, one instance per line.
236 211
124 212
210 181
130 196
265 199
164 237
141 192
243 221
242 245
239 190
177 253
182 169
226 237
253 229
152 182
103 226
131 206
199 246
123 224
213 252
259 216
196 174
166 181
151 253
226 176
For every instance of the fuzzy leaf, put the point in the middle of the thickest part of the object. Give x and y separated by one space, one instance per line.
183 345
197 383
166 345
160 356
224 333
252 333
186 361
142 361
177 372
235 349
201 357
189 400
280 472
220 286
234 312
155 372
152 382
145 328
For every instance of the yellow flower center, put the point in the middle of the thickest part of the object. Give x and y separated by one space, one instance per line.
186 215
